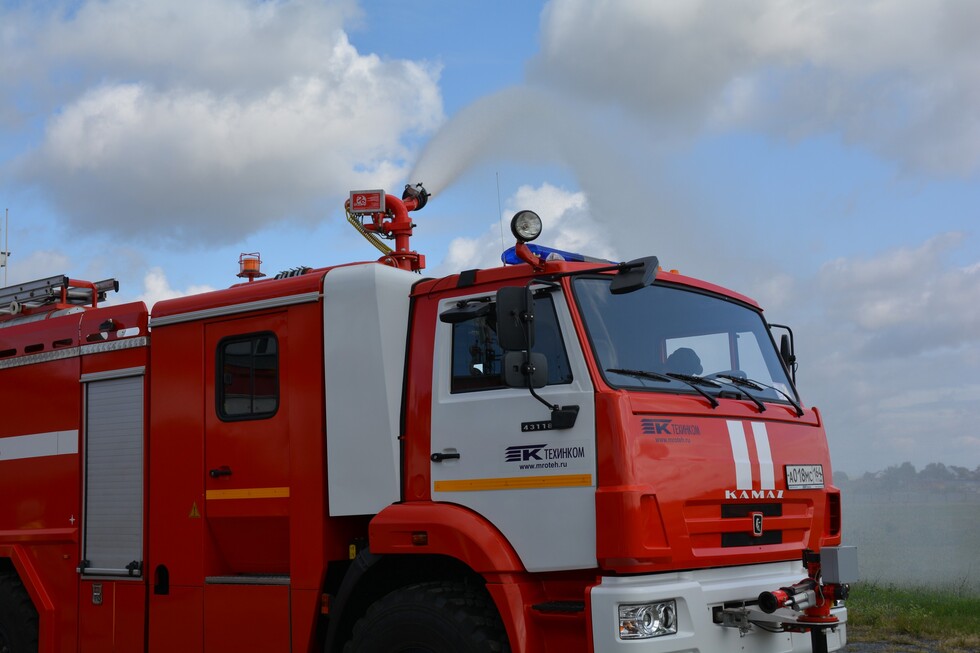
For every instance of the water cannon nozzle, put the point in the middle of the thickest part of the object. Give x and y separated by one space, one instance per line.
417 193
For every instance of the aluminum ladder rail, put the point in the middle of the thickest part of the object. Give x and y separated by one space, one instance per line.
56 289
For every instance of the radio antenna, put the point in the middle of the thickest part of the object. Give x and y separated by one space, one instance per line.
5 254
500 219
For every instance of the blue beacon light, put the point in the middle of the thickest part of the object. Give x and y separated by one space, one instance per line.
509 256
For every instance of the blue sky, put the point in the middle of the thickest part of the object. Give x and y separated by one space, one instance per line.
823 158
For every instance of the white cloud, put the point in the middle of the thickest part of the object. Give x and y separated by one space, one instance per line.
907 300
568 225
212 119
156 288
39 264
889 348
899 78
225 45
775 290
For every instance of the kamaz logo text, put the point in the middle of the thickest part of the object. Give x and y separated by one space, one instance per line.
753 494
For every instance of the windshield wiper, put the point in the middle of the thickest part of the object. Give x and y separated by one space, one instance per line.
693 382
740 388
759 385
642 374
696 382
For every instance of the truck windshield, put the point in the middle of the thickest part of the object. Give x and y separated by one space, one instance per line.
661 337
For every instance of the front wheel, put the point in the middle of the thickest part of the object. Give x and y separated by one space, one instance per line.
441 617
18 618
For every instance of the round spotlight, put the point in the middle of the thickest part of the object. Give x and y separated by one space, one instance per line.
526 226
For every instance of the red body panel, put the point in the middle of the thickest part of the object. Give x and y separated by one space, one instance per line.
41 516
240 619
248 560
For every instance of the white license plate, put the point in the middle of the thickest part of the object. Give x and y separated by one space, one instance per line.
804 477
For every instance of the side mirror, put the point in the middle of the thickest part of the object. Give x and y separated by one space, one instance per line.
786 351
636 274
525 370
515 318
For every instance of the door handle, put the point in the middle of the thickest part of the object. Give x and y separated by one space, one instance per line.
439 457
224 470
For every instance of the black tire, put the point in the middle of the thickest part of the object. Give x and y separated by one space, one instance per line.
430 618
18 618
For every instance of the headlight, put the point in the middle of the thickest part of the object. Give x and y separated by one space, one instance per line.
526 226
645 620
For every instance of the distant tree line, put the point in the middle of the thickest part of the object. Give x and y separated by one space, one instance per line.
952 481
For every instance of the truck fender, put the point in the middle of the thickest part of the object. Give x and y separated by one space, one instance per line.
35 589
359 566
430 528
434 530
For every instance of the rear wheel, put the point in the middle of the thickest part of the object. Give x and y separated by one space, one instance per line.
430 618
18 618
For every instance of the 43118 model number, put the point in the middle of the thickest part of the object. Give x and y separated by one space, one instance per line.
536 426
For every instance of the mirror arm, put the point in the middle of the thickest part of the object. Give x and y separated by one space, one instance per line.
539 397
562 417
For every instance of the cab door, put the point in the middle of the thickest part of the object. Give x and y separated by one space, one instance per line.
246 507
494 448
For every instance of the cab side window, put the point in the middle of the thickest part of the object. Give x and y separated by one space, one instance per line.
247 382
478 359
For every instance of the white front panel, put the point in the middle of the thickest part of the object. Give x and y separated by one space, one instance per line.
536 486
696 593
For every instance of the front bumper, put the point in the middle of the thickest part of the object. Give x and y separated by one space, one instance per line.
698 593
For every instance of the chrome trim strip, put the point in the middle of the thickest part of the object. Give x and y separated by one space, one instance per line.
233 309
72 352
256 579
113 374
114 345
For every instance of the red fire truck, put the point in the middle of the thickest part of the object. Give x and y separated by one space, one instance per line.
556 455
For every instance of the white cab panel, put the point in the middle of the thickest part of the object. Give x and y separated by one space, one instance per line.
365 325
537 486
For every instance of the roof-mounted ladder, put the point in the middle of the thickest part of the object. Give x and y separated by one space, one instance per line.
54 290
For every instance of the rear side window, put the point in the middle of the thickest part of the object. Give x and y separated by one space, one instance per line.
478 359
247 382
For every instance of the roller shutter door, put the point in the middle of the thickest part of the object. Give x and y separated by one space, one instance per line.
113 529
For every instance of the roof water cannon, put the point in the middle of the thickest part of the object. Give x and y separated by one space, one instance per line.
807 606
814 596
796 597
377 215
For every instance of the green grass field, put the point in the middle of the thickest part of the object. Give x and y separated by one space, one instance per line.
881 613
